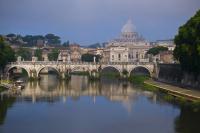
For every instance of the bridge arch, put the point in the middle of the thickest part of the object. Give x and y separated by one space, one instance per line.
112 68
24 68
140 70
40 69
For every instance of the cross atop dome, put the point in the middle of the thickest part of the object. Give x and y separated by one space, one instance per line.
128 27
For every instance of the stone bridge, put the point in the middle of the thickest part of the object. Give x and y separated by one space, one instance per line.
33 68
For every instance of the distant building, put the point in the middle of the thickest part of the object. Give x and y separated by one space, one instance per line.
129 47
75 52
119 54
166 57
166 43
64 55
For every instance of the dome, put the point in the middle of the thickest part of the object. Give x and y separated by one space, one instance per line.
128 27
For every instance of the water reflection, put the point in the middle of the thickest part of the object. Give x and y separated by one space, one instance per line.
84 106
188 121
50 89
6 103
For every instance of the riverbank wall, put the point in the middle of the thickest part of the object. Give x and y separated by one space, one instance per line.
173 74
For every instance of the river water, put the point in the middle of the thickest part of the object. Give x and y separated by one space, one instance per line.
83 106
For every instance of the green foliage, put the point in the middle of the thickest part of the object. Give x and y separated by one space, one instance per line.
6 53
110 75
138 79
124 72
24 53
66 44
11 35
38 54
5 104
31 40
89 57
53 56
169 98
52 39
156 50
150 87
187 42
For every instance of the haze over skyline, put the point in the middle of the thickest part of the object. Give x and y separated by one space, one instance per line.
91 21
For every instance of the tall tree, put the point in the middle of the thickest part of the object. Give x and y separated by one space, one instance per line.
187 42
89 57
66 44
6 53
24 53
38 54
156 50
52 39
53 56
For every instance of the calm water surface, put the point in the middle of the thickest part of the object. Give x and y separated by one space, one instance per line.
81 106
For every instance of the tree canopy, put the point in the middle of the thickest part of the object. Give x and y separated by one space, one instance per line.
53 56
187 42
32 40
24 53
52 39
156 50
89 57
6 53
38 54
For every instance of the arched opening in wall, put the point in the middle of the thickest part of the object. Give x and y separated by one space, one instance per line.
48 73
16 73
110 72
140 71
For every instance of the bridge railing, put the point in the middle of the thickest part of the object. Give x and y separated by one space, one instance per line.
76 63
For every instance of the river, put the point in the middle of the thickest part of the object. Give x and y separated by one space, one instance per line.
84 106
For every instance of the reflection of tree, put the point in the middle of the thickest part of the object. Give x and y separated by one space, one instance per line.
4 105
188 121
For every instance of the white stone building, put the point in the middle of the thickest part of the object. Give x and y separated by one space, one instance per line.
129 47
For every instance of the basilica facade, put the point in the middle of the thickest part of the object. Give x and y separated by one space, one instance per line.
129 47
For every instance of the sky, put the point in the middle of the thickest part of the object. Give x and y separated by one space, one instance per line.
90 21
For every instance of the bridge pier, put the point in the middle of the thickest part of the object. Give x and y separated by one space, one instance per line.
65 76
33 75
94 75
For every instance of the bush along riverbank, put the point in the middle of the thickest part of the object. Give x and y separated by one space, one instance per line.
138 80
182 101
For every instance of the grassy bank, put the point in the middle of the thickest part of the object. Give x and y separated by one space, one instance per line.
138 80
110 75
172 98
182 101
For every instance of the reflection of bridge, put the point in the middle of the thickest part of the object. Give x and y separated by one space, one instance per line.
34 91
33 68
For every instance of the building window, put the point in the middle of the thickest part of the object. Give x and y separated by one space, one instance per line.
112 57
119 56
137 55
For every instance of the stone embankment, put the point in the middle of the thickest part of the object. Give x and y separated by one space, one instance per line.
191 95
172 74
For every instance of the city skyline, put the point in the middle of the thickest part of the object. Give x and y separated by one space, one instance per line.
90 21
